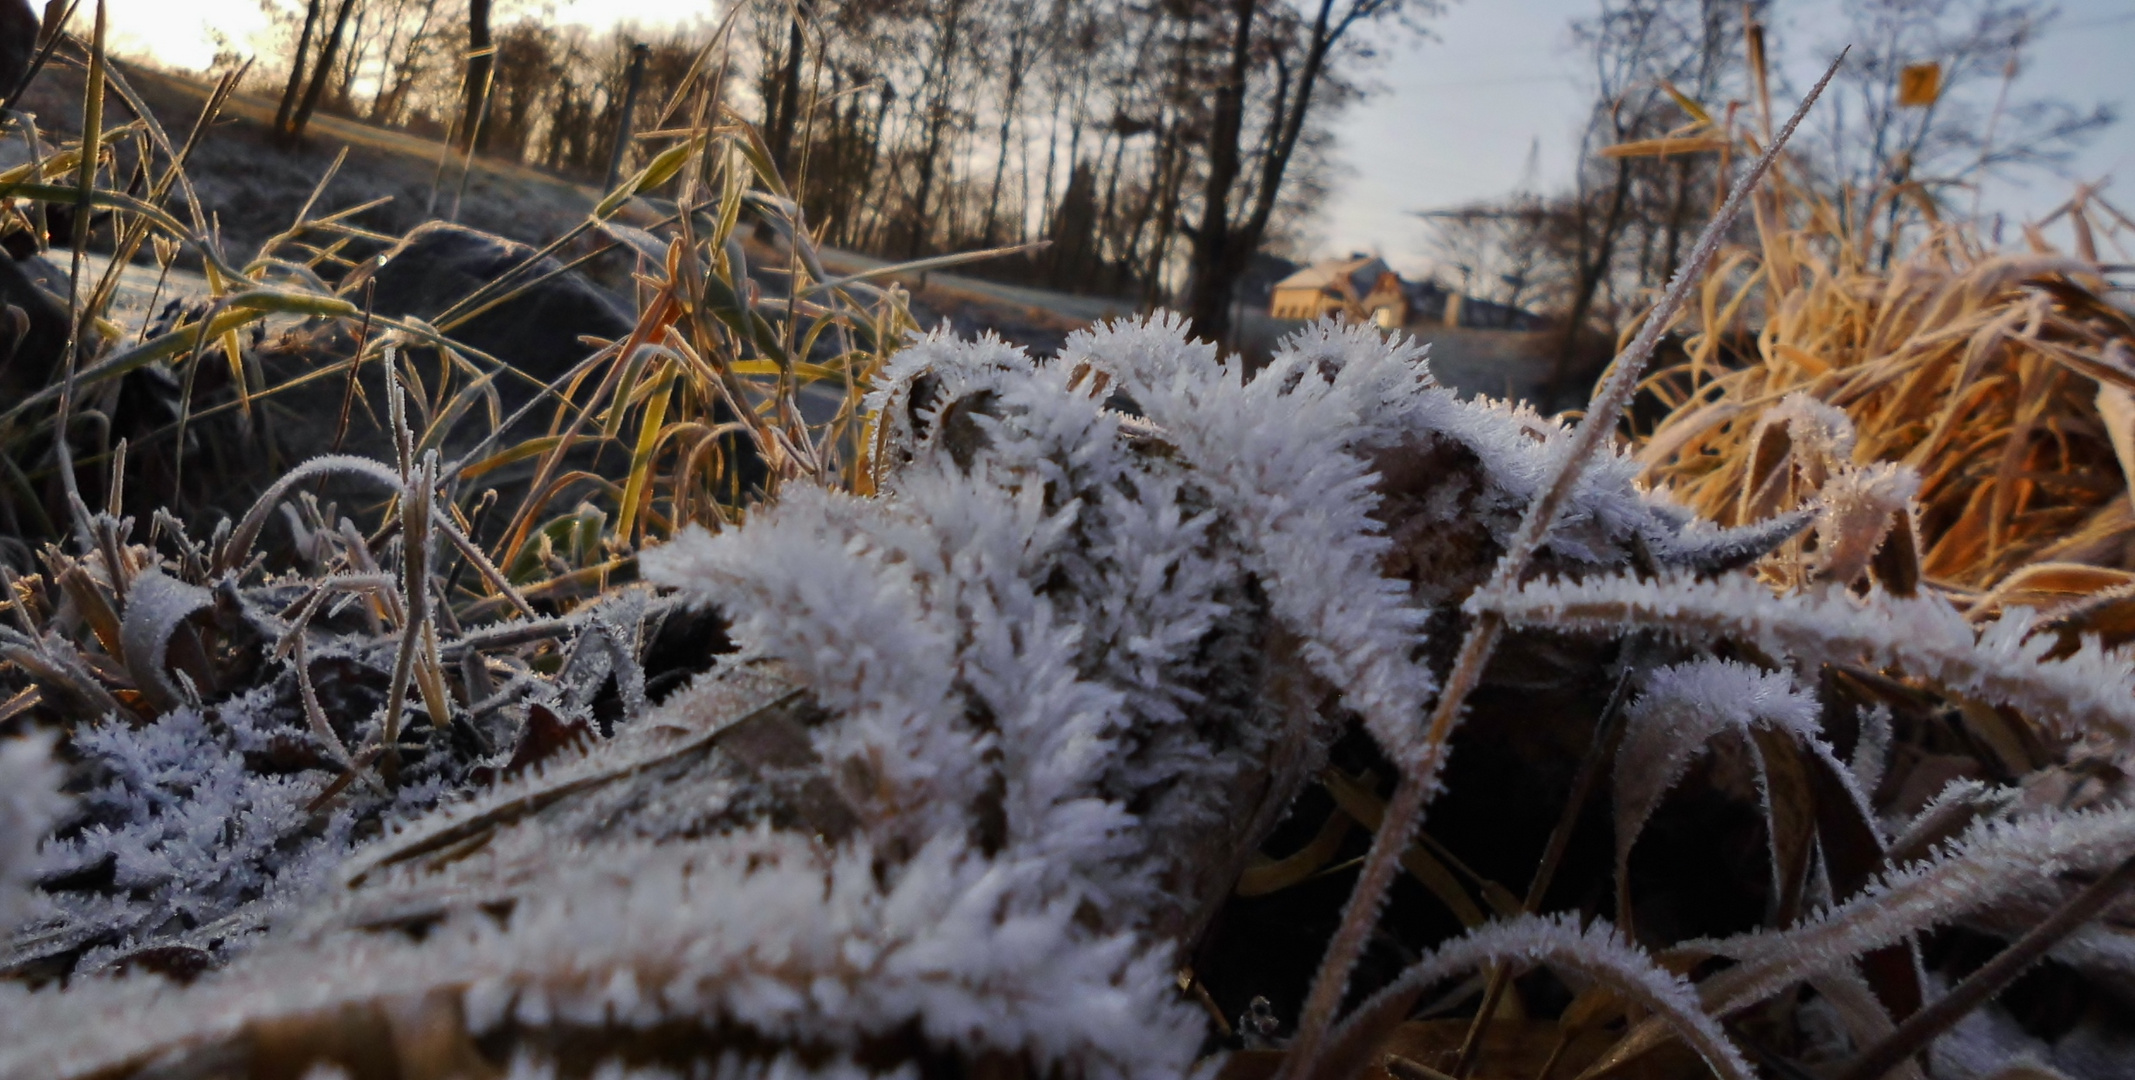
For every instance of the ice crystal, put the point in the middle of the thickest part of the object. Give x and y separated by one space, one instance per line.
995 742
767 930
983 760
188 827
1990 862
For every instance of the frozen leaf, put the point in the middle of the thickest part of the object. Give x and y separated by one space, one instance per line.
157 605
1683 708
1858 508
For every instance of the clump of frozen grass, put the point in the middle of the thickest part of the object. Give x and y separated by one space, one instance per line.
1033 698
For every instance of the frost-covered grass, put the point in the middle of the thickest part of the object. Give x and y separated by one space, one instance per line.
997 735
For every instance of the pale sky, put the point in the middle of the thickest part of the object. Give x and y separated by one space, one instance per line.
1458 113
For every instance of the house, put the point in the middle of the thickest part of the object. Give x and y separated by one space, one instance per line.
1360 287
1434 304
1364 289
1429 301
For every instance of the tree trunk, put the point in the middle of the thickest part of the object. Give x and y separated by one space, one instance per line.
322 72
1000 164
399 74
1104 213
1167 223
1678 217
481 61
1209 301
1591 272
296 70
937 124
1052 162
1277 163
787 115
1208 288
352 62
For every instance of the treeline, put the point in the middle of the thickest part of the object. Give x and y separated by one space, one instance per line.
935 125
1157 144
554 94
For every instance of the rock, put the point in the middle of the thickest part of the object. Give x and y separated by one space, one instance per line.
537 331
33 325
18 43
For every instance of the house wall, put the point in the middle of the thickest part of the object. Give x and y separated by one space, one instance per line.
1300 304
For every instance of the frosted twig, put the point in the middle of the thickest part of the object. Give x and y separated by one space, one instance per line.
1990 862
415 588
1419 771
238 547
321 728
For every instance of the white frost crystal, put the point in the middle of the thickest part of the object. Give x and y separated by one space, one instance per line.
29 802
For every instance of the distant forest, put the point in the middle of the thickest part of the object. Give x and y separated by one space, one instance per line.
1156 145
1159 145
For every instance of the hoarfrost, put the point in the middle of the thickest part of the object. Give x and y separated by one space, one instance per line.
29 802
1595 952
948 788
2090 690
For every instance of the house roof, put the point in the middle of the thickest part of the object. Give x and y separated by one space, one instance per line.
1360 272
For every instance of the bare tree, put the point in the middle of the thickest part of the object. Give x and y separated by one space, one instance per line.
1503 252
409 49
786 115
1966 117
323 71
295 85
481 65
910 127
1226 238
1640 51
